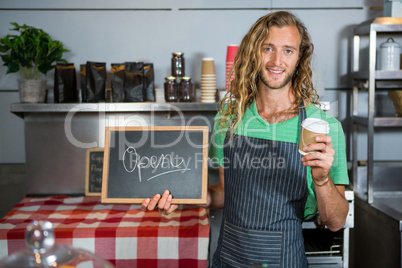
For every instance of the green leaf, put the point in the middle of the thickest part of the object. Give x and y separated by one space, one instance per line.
6 41
4 48
44 68
12 68
6 58
31 48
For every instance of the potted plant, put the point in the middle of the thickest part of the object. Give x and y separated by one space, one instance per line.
32 53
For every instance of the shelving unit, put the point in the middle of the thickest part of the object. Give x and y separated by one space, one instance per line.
374 80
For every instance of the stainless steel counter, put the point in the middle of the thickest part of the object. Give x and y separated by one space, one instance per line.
377 236
390 205
22 108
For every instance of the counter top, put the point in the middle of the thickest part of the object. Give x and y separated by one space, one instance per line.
389 203
21 108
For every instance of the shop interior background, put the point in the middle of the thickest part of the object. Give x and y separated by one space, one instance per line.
119 31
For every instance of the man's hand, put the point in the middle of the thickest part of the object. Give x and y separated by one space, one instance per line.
320 158
163 204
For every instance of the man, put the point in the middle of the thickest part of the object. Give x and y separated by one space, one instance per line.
266 186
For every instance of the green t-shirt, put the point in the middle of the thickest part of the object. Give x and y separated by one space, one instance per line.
252 125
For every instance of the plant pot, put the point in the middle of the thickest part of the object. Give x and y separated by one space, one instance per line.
32 91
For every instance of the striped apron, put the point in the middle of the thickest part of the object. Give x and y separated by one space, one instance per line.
265 195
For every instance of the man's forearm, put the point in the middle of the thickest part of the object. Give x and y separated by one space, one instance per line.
332 205
215 196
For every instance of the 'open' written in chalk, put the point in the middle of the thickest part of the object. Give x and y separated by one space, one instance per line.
162 165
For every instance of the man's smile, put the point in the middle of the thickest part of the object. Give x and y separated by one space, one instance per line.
275 71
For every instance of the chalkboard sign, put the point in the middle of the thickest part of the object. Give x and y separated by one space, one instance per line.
140 162
94 172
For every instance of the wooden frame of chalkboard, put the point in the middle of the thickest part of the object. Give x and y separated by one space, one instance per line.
94 172
140 162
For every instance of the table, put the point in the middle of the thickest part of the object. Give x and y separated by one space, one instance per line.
120 233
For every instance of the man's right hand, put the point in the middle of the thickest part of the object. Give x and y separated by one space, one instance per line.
163 204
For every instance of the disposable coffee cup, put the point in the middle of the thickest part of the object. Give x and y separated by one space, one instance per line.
208 66
208 84
231 52
222 94
311 128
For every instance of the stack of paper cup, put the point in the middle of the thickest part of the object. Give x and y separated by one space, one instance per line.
208 80
230 55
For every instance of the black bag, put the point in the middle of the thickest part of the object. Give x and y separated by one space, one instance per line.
149 83
83 81
96 78
65 83
117 75
134 82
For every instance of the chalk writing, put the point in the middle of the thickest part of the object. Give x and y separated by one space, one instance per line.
97 158
170 162
93 184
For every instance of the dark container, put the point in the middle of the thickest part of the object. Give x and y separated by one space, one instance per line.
178 64
186 89
134 81
96 77
117 75
149 83
171 89
65 83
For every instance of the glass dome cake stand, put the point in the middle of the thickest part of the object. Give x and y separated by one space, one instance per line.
42 252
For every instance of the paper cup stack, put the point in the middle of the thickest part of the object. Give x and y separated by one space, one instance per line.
208 81
230 55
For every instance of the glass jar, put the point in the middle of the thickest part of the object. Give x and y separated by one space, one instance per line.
171 89
177 64
389 55
186 91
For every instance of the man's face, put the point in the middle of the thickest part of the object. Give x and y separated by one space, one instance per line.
280 56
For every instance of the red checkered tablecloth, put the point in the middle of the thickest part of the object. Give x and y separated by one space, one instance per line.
120 233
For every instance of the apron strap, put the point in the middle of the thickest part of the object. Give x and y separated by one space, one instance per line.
302 114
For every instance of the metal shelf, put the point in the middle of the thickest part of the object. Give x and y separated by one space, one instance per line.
382 163
112 107
379 121
376 80
379 75
384 25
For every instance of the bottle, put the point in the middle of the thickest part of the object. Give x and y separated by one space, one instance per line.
171 89
178 64
186 91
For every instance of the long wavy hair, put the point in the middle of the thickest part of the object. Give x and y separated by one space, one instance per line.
247 68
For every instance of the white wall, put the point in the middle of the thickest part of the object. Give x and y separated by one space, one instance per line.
119 30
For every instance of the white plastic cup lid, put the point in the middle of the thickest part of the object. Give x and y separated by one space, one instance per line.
316 125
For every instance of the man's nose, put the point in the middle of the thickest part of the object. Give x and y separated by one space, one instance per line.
276 58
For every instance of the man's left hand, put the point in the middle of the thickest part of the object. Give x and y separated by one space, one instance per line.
320 157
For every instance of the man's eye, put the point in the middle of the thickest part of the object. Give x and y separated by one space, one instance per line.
268 49
288 51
